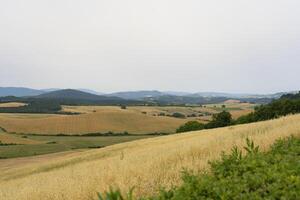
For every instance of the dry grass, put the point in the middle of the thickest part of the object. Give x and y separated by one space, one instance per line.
95 119
135 120
11 104
145 164
9 138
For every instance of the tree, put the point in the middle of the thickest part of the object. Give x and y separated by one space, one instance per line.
190 126
178 115
220 120
123 107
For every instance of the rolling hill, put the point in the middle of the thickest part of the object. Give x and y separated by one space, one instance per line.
147 164
19 91
138 95
71 96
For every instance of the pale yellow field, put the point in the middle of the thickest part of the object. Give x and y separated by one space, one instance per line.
146 164
95 119
235 107
135 120
11 104
9 138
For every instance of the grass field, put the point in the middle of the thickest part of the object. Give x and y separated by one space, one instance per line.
146 164
37 145
11 104
135 120
12 139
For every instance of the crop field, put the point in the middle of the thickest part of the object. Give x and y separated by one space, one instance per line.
11 104
103 119
144 164
31 145
12 139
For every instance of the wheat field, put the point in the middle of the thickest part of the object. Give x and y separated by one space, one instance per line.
93 119
135 119
11 104
145 164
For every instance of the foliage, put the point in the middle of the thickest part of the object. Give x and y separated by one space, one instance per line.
35 106
291 96
190 126
256 175
116 195
278 108
220 120
178 115
271 175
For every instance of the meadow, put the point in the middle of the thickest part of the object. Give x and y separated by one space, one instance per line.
103 119
145 164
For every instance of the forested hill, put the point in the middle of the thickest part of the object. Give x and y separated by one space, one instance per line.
76 97
291 96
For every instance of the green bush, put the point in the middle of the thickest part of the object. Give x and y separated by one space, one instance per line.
256 175
275 109
178 115
220 120
271 175
190 126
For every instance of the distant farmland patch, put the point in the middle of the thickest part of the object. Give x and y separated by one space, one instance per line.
11 105
104 119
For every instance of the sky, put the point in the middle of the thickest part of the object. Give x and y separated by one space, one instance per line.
249 46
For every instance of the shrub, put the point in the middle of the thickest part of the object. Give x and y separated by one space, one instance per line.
161 114
256 175
178 115
220 120
190 126
123 107
271 175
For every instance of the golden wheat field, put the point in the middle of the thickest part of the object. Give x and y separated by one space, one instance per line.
145 164
9 139
11 104
135 120
103 119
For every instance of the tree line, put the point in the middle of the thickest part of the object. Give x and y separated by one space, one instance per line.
287 104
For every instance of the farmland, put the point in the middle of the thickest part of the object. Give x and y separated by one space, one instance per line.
103 119
146 164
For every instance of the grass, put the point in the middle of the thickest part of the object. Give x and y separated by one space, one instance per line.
144 164
103 120
9 138
271 175
134 120
53 144
11 104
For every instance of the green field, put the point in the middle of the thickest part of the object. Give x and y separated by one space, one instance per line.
53 144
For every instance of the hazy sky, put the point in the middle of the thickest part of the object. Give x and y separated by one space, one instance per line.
182 45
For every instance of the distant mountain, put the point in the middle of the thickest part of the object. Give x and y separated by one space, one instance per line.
175 93
137 95
238 95
178 100
19 91
91 91
71 96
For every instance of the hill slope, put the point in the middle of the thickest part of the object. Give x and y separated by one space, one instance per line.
146 164
70 96
137 95
19 91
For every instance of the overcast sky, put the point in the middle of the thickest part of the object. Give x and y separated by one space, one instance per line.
181 45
